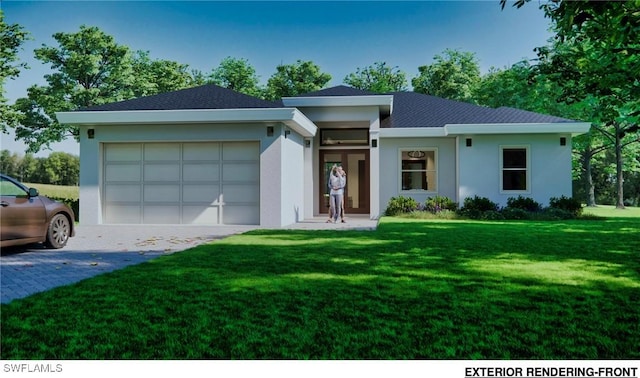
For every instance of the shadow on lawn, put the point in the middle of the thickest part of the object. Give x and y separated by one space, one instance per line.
434 290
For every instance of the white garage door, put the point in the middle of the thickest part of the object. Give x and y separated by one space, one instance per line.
182 183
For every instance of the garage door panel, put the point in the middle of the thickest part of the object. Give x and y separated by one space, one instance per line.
200 214
247 172
201 151
162 172
123 152
161 152
161 193
189 183
122 214
241 193
122 193
201 172
234 214
240 151
122 172
209 194
161 214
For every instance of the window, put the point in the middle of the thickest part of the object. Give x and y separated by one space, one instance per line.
344 137
515 169
418 171
9 189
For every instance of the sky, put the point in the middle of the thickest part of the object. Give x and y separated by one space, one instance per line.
338 36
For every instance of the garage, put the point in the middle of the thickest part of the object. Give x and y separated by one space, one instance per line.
181 183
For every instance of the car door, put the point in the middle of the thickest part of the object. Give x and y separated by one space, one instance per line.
21 216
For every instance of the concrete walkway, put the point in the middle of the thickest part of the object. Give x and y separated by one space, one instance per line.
100 249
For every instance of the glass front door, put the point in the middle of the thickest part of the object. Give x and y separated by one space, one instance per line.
356 165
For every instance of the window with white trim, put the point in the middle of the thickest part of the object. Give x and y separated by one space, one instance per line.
418 170
514 162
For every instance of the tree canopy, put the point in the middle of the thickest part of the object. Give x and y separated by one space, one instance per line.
11 38
294 79
453 75
378 78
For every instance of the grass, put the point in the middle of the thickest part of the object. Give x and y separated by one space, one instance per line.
413 289
57 191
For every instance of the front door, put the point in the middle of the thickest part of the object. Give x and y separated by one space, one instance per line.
356 165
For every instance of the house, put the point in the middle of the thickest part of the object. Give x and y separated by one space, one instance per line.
209 155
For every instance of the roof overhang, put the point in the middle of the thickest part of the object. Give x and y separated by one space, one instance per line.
291 117
383 102
573 128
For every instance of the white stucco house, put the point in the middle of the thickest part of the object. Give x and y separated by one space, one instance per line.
209 155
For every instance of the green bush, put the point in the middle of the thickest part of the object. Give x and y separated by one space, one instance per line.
437 204
523 203
514 213
400 205
571 205
553 214
474 207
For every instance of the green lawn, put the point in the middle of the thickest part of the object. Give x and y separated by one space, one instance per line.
413 289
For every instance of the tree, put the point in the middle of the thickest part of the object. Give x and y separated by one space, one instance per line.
11 38
294 79
236 74
596 58
158 76
379 78
454 75
90 68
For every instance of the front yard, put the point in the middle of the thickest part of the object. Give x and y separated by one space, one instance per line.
413 289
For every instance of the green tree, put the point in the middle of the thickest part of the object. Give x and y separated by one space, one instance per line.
9 163
379 78
90 68
236 74
294 79
158 76
596 58
453 75
11 38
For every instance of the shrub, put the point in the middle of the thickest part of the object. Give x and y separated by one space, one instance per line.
523 203
474 207
552 214
439 203
492 215
399 205
514 213
571 205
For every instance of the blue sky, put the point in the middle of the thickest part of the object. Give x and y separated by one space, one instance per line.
338 36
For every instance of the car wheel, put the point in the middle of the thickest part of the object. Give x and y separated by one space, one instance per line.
58 232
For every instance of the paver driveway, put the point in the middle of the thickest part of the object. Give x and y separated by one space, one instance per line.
100 249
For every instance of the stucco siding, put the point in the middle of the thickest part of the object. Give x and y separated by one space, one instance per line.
390 168
549 166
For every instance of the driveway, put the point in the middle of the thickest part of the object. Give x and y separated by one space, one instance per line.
100 249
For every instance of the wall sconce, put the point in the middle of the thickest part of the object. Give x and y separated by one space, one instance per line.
469 142
91 133
563 141
269 131
374 143
286 133
307 143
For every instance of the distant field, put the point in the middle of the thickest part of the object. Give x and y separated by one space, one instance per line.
59 191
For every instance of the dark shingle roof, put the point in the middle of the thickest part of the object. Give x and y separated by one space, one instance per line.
410 109
203 97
